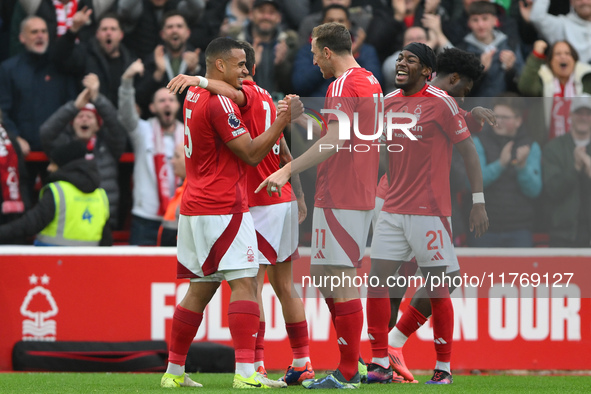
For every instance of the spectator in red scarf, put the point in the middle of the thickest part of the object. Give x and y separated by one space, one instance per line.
555 72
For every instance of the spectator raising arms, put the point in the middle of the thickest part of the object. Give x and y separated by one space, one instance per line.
103 55
91 119
574 27
555 73
153 142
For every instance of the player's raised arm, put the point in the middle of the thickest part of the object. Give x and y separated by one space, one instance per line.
478 217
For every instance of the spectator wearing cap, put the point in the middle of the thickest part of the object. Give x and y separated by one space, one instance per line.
91 119
104 54
501 58
574 27
557 73
275 48
566 169
72 209
307 78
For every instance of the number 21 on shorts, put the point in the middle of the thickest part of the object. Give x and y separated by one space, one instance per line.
433 240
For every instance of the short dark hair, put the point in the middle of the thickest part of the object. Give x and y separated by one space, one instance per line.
454 60
334 36
511 100
335 7
220 47
170 14
573 51
250 57
109 15
482 7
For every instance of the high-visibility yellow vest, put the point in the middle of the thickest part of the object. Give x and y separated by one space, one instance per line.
79 217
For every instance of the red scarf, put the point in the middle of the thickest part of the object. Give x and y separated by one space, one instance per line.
9 178
560 116
64 13
161 165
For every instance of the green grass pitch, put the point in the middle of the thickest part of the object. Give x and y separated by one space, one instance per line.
222 383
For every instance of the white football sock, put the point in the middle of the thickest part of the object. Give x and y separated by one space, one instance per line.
443 366
397 338
381 361
175 369
245 369
300 362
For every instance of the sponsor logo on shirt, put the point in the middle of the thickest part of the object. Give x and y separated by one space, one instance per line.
233 121
238 132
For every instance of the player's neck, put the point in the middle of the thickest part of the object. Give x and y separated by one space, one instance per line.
413 90
343 64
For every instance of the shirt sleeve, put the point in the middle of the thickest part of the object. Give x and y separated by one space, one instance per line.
452 122
226 118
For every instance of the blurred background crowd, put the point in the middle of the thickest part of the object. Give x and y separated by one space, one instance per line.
82 87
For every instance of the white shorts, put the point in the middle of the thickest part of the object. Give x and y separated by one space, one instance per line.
277 231
428 238
339 236
376 212
211 243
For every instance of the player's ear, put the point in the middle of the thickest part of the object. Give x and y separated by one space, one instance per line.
326 52
220 65
454 78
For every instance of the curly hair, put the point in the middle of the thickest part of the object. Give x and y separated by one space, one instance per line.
466 64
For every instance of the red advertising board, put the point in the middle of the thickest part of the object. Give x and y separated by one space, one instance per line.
510 320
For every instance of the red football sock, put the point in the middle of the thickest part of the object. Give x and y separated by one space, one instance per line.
185 324
330 304
259 353
410 321
378 317
298 339
443 325
243 321
348 325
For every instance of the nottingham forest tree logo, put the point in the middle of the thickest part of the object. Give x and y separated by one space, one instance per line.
39 305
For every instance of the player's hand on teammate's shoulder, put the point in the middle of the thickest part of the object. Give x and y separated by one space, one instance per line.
482 115
181 82
478 220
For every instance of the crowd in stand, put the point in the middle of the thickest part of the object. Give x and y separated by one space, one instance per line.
95 72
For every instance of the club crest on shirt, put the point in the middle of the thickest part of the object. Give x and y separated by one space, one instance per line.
233 121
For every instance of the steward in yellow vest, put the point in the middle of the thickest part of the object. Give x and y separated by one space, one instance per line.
72 209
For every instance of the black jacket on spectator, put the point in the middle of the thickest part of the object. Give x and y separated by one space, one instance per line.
511 209
109 146
81 173
88 57
31 90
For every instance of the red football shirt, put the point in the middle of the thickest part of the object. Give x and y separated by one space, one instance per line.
419 183
216 176
348 179
258 114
